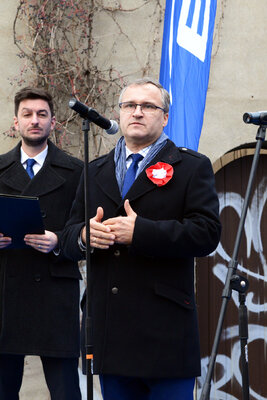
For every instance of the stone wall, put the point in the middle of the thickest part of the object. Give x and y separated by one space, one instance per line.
237 77
10 66
237 73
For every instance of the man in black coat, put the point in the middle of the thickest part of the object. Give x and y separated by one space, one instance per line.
144 239
39 288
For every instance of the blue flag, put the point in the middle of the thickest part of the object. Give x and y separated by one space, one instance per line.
185 66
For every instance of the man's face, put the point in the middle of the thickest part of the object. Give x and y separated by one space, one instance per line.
34 121
142 129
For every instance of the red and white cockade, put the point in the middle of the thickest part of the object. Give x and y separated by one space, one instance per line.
160 173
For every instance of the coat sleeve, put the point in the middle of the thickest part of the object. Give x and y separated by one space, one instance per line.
196 235
69 236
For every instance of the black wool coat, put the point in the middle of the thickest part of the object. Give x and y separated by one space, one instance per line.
144 316
39 299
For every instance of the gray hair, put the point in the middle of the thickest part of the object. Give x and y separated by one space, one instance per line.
165 97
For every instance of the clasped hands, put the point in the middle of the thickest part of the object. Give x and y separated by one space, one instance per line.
43 243
104 234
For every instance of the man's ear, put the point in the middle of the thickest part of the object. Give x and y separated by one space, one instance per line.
53 122
165 119
16 124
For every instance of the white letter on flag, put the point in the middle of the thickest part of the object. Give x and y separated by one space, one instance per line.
187 37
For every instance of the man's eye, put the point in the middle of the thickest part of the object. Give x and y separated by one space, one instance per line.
129 105
148 107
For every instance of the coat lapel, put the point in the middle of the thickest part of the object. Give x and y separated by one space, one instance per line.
16 178
40 184
169 154
106 179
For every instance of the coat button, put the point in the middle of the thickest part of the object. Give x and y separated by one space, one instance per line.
37 278
115 290
117 253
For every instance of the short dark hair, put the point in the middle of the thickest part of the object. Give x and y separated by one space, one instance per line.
33 93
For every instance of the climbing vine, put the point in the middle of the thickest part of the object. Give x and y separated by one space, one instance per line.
86 49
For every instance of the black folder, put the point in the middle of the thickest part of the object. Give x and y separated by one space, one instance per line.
20 215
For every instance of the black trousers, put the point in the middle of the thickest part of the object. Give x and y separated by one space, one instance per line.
61 375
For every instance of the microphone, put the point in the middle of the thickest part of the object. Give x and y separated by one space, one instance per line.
256 118
110 126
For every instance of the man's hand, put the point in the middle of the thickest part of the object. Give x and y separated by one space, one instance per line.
101 236
43 243
4 241
123 227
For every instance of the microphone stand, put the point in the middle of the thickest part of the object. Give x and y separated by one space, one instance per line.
89 115
88 321
240 284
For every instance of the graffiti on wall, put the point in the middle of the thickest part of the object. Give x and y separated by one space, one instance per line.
229 364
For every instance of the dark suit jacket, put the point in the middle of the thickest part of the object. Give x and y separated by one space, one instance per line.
40 296
143 304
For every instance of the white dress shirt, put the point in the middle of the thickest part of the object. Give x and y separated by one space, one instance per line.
39 159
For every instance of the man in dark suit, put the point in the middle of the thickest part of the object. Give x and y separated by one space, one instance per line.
39 288
144 239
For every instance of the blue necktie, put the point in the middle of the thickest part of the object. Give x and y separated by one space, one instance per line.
130 173
30 162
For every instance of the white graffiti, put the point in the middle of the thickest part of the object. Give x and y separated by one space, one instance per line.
188 37
252 232
230 366
216 393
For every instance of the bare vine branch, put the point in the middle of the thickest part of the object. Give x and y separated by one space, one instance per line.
59 50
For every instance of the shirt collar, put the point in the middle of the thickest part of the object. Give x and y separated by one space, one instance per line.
143 151
39 158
